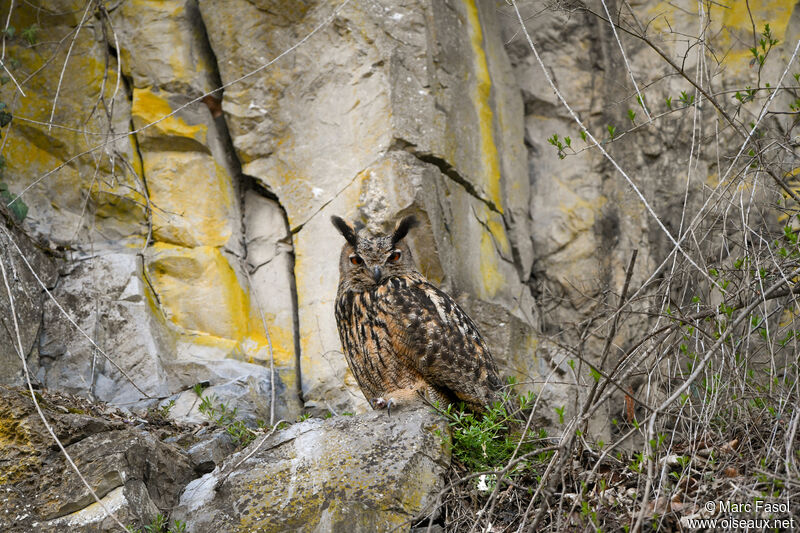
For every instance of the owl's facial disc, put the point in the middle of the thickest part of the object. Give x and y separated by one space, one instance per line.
368 260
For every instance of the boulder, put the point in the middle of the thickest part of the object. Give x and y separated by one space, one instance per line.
364 473
130 468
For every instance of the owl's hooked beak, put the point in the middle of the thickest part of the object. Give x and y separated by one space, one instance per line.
376 273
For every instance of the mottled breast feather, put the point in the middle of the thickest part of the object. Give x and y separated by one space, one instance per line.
405 330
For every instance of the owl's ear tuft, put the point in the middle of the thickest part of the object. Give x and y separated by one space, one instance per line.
346 229
403 227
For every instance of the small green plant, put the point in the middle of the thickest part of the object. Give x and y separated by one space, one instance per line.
588 512
5 116
30 33
487 441
225 417
160 524
162 411
746 95
240 433
157 525
560 412
19 209
198 388
636 462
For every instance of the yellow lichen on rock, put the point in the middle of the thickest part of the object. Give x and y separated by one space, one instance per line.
59 200
198 290
27 151
739 19
154 112
70 158
172 54
191 196
579 214
257 346
493 242
230 347
482 101
732 25
15 442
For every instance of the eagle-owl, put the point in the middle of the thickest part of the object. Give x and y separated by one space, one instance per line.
403 337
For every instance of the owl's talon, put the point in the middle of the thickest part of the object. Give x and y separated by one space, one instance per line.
389 406
378 403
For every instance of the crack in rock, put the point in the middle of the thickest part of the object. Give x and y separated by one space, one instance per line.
445 168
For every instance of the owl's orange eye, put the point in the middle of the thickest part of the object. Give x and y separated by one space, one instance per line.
356 259
395 256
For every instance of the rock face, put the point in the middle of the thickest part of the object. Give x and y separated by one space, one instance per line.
586 219
183 157
365 473
200 235
26 292
374 73
119 321
161 288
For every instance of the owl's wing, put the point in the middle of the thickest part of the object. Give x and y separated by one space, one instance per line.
431 333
